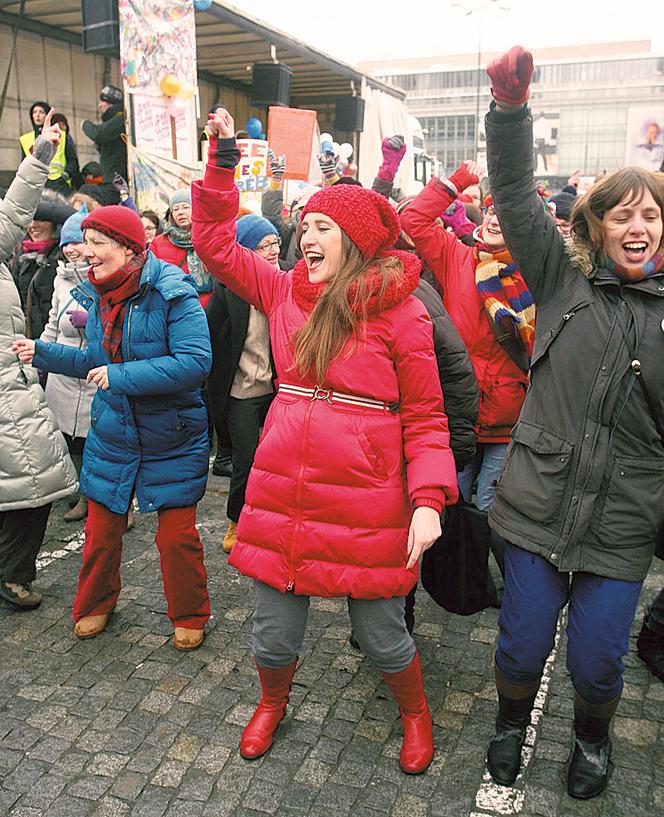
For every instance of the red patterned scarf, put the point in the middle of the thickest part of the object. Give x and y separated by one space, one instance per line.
114 293
307 294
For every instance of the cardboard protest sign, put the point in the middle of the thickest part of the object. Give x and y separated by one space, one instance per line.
291 131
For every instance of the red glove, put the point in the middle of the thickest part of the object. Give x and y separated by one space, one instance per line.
462 179
510 76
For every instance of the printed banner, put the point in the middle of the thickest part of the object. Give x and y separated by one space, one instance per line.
156 178
158 67
251 172
645 136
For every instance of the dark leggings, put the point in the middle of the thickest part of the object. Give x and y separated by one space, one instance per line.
21 536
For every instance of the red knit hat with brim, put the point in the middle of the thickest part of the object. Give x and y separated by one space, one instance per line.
367 218
119 223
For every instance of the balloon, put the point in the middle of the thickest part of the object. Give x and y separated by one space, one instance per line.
169 85
335 148
186 91
254 127
345 150
326 137
263 136
202 5
326 146
176 106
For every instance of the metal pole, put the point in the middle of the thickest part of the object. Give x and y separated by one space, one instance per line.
477 89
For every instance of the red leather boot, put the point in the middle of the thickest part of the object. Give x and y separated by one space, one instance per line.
276 686
408 690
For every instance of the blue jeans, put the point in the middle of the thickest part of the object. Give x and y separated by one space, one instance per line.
487 466
600 617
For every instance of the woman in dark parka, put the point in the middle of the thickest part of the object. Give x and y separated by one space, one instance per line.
581 499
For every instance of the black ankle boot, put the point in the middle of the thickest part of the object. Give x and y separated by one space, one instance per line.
515 702
504 755
650 647
588 770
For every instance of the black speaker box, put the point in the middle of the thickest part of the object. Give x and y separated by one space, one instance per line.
100 25
271 84
349 113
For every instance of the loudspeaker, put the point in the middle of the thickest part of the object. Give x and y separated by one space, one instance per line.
100 25
271 84
349 113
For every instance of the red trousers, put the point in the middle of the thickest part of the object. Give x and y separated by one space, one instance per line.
180 553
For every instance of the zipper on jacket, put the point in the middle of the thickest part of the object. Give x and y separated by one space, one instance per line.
569 315
290 587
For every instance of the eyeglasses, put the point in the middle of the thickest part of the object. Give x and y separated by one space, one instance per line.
488 212
268 246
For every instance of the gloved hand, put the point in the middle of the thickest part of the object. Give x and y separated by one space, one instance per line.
78 318
456 218
466 174
277 169
510 76
393 148
328 165
121 185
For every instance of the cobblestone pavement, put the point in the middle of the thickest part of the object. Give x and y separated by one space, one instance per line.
123 724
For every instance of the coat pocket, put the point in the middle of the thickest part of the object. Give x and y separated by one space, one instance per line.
536 472
501 401
633 510
374 456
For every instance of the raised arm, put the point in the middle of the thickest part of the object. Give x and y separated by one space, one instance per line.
393 149
529 230
441 250
18 207
215 203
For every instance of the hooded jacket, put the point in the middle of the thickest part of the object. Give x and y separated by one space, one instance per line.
148 430
502 384
35 467
329 498
583 481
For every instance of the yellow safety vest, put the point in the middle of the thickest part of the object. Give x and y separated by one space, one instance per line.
57 166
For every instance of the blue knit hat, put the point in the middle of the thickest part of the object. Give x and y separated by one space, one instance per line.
71 232
251 230
181 196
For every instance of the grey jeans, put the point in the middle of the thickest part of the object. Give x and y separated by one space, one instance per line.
378 624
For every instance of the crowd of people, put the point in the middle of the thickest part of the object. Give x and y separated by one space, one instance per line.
362 364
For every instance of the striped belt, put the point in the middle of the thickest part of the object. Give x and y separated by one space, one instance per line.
318 393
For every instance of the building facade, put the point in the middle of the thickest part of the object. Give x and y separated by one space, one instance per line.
595 108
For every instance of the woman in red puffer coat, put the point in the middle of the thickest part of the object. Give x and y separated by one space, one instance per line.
353 467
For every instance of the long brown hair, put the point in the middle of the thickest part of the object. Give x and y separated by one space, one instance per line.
589 210
338 316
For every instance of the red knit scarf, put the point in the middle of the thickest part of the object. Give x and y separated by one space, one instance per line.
306 294
40 247
114 293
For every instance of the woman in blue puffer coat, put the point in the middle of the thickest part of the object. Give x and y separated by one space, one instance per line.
149 352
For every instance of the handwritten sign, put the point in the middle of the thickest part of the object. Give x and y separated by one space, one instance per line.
251 172
290 131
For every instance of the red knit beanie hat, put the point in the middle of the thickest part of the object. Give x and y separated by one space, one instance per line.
367 218
119 223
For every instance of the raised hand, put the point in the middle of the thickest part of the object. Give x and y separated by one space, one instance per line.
393 149
277 165
220 124
510 76
328 165
51 133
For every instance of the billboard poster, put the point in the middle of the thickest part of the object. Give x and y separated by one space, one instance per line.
645 136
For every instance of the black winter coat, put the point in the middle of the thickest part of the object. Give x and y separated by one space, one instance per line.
107 135
34 276
457 377
583 481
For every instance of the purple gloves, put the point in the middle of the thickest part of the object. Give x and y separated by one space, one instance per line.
456 218
393 148
78 318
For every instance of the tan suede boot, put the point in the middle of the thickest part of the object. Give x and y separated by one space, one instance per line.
78 512
230 537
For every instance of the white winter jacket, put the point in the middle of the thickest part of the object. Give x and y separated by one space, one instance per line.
35 467
69 398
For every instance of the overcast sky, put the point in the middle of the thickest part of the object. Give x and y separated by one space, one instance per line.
357 30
